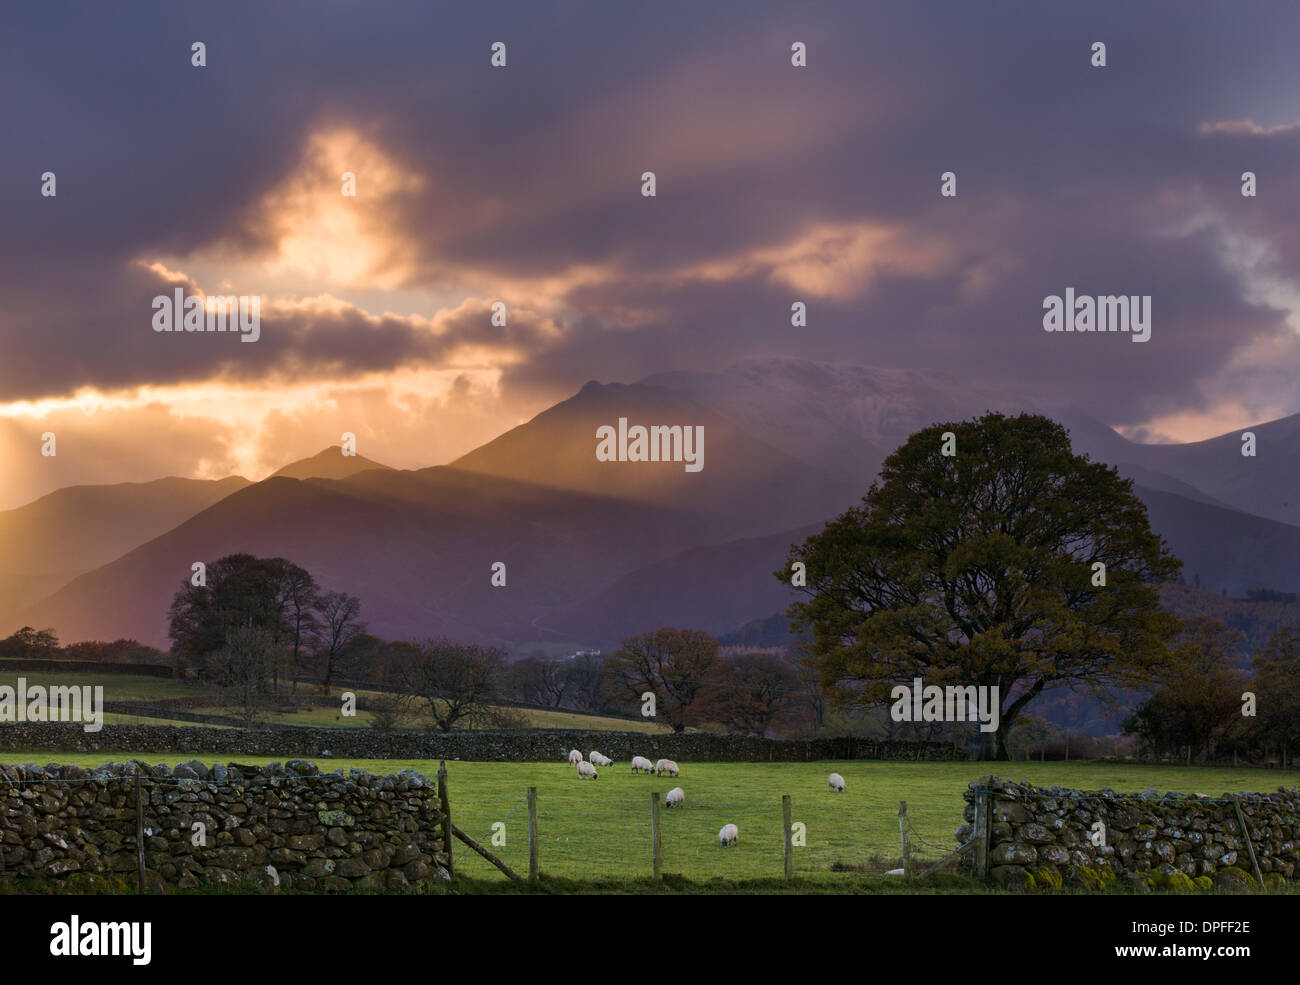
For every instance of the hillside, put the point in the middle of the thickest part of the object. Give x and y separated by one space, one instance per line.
747 487
49 541
416 547
330 463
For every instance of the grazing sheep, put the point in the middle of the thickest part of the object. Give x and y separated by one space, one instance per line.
675 798
600 759
665 766
575 757
642 765
835 782
728 835
586 770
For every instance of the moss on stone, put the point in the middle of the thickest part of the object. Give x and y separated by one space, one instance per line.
1095 880
1234 880
1046 878
1175 882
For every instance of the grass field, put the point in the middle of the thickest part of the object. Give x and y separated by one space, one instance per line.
534 717
139 688
117 718
601 829
117 687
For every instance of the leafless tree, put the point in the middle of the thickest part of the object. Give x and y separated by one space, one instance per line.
458 680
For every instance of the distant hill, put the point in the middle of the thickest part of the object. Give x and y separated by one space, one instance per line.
1256 618
1228 549
748 487
46 543
416 546
771 631
328 464
718 588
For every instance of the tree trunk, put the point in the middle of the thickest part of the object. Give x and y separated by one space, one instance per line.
993 745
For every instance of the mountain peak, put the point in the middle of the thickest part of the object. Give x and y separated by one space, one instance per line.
328 464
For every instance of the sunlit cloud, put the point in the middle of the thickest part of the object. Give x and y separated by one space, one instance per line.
407 418
320 240
1245 128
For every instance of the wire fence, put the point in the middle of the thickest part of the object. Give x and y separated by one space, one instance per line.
595 837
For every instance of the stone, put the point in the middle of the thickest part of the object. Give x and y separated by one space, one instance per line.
1057 855
1013 853
1036 834
317 868
352 868
1233 880
1013 877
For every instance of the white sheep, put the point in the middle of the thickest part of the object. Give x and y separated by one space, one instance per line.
665 766
575 757
675 798
728 835
642 765
585 771
835 782
599 758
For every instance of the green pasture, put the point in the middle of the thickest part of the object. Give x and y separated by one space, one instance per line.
139 688
594 830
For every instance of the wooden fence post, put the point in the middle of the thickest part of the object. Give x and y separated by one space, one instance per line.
902 831
983 822
446 816
789 848
139 832
1250 848
533 847
656 835
485 853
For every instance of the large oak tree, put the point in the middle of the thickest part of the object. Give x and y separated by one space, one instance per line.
977 568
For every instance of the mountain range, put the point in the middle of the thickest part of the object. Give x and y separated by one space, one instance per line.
595 551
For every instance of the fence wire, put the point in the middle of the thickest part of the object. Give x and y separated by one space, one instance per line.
607 833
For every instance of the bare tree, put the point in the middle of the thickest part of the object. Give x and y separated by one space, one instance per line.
300 596
540 681
389 711
586 678
458 680
339 625
670 663
809 687
750 693
242 664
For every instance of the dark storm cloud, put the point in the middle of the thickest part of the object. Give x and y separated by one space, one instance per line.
1067 175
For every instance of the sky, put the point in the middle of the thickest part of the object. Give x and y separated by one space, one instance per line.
522 184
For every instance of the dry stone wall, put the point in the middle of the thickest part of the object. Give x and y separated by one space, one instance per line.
529 745
1046 837
277 827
